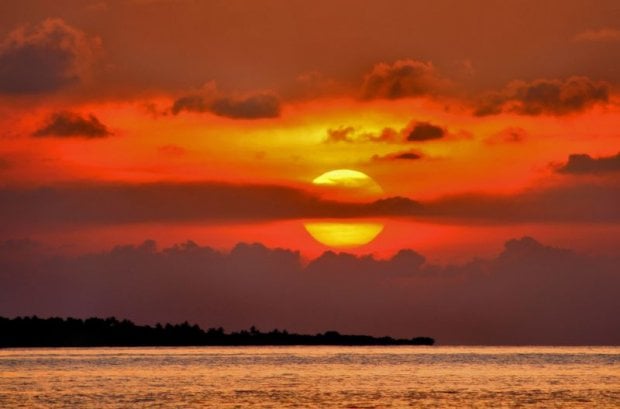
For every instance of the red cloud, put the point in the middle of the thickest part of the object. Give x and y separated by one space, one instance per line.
45 58
551 97
404 78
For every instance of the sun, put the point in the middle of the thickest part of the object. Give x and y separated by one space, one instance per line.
348 186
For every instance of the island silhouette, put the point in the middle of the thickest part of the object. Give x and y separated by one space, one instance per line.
94 332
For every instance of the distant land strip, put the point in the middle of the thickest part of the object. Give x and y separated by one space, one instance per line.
26 332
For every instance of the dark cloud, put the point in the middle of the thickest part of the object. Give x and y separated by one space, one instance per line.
404 78
45 58
256 106
252 107
342 134
491 104
215 203
167 202
573 203
528 294
413 132
262 51
68 124
190 103
551 97
396 206
425 131
585 164
407 155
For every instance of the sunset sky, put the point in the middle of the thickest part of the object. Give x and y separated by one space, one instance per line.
141 134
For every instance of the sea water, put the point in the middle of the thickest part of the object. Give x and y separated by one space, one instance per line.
311 377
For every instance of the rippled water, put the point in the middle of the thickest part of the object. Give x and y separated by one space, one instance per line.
316 377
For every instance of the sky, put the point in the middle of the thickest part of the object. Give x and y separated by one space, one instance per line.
161 160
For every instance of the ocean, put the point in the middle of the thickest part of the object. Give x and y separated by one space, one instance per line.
311 377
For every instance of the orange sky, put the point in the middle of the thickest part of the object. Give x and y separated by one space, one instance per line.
143 142
231 93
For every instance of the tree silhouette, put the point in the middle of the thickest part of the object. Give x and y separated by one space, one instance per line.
74 332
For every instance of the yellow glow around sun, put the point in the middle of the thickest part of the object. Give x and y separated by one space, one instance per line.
343 235
345 185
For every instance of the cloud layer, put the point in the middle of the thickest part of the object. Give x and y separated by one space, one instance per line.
528 294
216 202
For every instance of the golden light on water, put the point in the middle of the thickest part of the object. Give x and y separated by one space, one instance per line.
345 185
484 377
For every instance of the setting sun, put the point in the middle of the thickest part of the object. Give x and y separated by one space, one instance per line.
348 186
385 173
343 235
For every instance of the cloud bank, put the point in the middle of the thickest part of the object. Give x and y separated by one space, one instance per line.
217 202
528 294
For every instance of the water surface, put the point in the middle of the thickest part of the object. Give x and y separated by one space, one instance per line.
312 377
